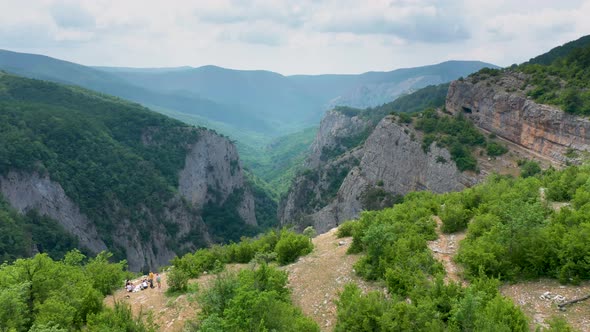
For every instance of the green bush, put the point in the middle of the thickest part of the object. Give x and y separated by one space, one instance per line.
291 246
530 168
494 149
120 318
455 217
346 229
359 313
177 280
252 300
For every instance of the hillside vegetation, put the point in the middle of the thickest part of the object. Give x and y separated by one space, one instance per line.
93 146
278 162
511 235
42 294
565 81
560 77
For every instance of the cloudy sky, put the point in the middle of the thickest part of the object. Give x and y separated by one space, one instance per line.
290 36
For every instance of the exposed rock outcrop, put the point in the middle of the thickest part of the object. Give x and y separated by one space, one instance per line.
334 128
211 174
498 104
27 192
392 162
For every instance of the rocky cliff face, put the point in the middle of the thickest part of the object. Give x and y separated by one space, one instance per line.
27 192
498 104
334 129
330 159
212 172
390 162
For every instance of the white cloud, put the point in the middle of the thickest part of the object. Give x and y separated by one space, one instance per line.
306 36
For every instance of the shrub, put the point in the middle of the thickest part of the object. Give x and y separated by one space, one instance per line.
310 232
177 280
494 149
291 246
455 217
253 300
346 229
530 168
120 318
357 312
214 300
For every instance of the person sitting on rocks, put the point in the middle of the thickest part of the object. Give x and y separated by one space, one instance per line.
129 286
144 284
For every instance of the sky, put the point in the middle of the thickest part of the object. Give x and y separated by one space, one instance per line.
290 36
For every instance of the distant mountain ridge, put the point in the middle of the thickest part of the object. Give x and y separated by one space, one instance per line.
257 101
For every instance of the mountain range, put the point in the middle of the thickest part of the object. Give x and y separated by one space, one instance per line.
234 102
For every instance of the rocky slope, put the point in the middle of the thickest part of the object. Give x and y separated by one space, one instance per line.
390 162
499 104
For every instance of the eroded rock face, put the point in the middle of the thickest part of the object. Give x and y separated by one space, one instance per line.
498 105
314 189
334 127
392 160
27 192
212 173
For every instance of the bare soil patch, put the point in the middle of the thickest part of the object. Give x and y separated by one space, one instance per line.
169 313
444 249
317 279
539 299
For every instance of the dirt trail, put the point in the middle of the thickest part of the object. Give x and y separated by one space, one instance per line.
444 249
169 313
317 278
315 281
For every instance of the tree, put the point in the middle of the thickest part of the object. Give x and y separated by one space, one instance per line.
310 232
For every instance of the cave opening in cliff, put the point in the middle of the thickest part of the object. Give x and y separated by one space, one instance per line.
467 110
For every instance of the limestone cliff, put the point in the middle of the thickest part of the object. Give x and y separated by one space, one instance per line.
392 162
211 173
335 128
500 105
34 192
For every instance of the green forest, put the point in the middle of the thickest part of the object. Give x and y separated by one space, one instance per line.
95 147
92 145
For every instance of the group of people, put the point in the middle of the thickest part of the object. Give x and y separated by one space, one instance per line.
145 283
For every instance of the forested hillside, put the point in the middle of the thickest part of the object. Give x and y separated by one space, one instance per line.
119 165
278 162
512 234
